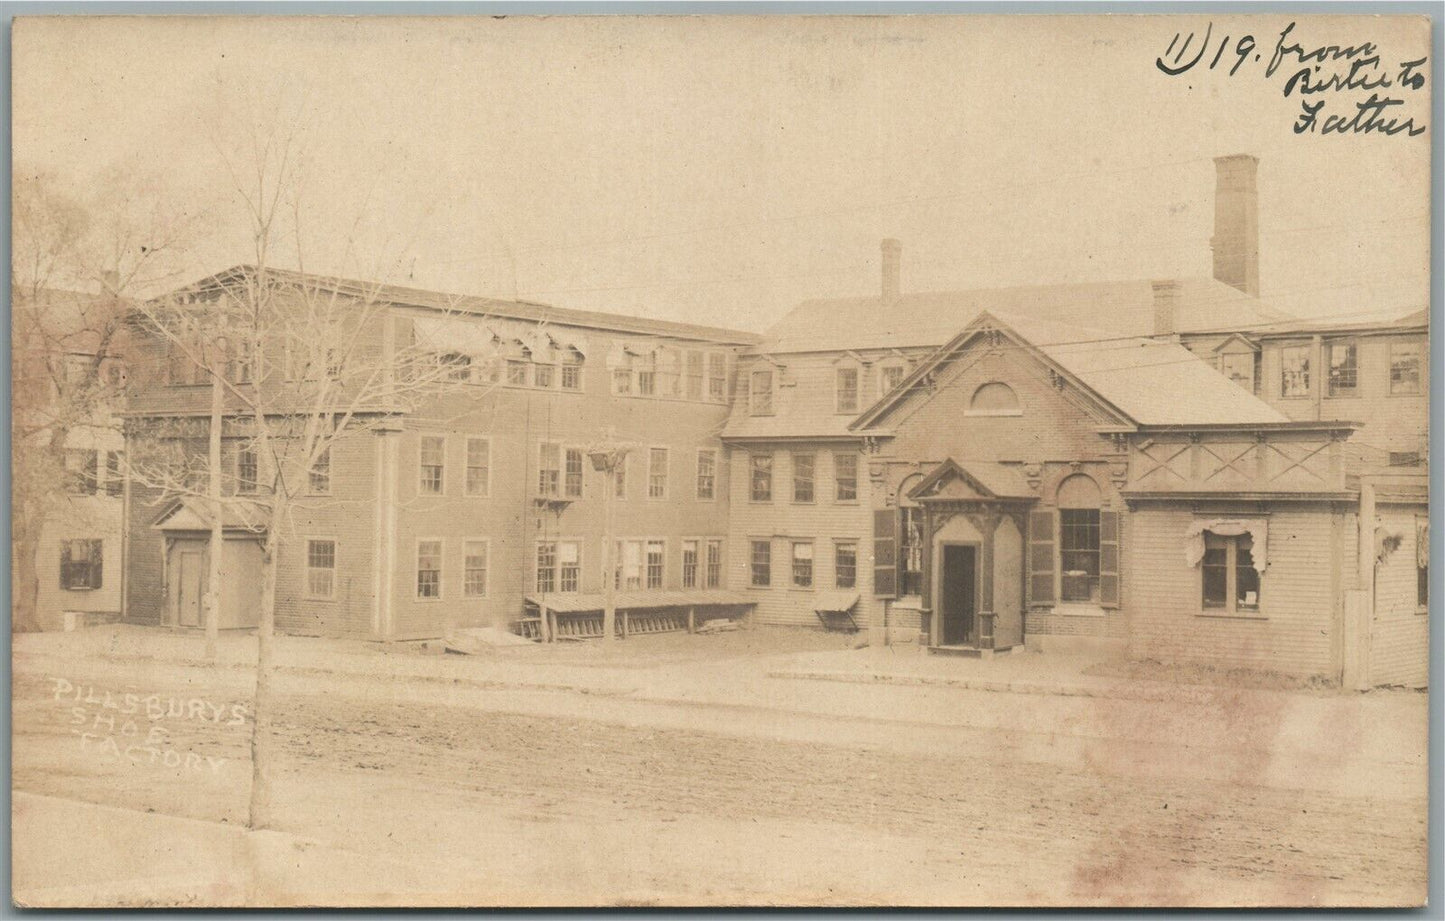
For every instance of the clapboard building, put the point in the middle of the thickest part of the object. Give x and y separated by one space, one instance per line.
1168 468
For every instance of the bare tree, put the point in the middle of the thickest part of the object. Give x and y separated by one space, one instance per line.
305 363
76 258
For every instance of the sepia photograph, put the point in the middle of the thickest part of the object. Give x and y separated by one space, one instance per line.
827 461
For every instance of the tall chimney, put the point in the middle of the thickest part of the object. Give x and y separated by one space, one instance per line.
1236 223
892 260
1166 305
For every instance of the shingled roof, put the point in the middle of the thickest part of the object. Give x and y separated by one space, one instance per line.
932 318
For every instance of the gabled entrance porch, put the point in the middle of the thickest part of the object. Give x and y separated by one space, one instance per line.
974 525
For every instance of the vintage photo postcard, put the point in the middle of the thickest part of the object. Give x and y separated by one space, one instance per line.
947 460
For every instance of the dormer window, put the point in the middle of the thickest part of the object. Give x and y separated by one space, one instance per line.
889 377
846 390
760 393
1239 367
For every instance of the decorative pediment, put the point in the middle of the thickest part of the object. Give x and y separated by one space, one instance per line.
191 514
950 482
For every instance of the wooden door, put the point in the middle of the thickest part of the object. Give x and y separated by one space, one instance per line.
957 590
188 583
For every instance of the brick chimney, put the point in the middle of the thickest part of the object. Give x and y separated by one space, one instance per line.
1236 223
1166 307
892 261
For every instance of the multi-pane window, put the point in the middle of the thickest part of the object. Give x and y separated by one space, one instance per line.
572 482
803 564
454 366
240 363
572 372
247 470
429 569
114 473
910 550
80 564
474 568
433 464
82 474
845 564
622 381
479 466
1079 553
760 393
845 476
1294 371
647 376
180 368
1230 583
559 565
706 473
320 474
847 390
689 564
1404 367
516 372
712 569
320 568
760 477
717 377
890 377
803 477
542 376
1344 368
549 469
657 473
620 472
693 371
761 562
656 561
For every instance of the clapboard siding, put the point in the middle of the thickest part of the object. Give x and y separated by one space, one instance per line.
1400 632
782 521
1293 632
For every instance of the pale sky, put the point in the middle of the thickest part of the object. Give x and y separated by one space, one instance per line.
719 170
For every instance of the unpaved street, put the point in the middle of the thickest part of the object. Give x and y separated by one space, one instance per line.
506 798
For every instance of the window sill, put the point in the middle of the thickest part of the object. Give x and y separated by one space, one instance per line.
1078 609
317 598
1423 609
1222 614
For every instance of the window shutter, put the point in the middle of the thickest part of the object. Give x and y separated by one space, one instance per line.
885 553
1041 557
1108 558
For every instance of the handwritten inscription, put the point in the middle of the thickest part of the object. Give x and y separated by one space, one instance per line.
1324 78
132 727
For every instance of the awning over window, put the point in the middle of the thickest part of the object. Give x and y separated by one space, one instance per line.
1256 528
486 338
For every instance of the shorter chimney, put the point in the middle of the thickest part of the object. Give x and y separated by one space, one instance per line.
1166 306
1236 223
892 261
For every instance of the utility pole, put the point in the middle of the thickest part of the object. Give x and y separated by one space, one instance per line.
607 459
218 536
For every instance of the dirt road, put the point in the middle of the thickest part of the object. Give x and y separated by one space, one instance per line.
614 806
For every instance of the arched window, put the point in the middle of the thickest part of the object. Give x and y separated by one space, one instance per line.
1078 500
995 399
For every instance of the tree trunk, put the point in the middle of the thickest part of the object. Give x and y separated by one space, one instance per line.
218 533
261 741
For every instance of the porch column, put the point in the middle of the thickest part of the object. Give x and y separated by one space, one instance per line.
931 629
988 525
